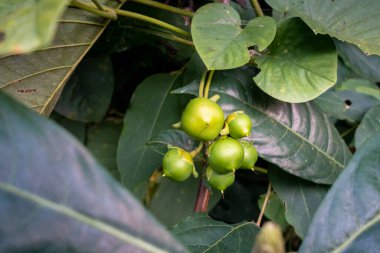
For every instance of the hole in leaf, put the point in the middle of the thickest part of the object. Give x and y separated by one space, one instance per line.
348 102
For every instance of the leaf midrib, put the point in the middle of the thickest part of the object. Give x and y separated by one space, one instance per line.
80 217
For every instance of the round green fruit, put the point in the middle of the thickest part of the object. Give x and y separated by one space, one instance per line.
177 164
250 156
219 181
225 155
239 124
202 119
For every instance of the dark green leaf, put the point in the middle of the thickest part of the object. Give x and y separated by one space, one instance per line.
220 40
151 111
88 92
296 137
360 86
275 210
55 198
37 79
302 198
101 141
300 66
76 128
331 104
368 127
27 25
200 233
348 219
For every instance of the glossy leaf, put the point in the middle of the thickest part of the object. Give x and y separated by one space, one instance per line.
296 137
302 198
54 197
200 233
369 126
28 25
348 219
152 110
275 210
221 42
37 79
101 141
300 66
88 92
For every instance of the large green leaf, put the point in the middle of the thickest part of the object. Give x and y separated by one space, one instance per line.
220 40
37 79
200 233
302 198
54 197
26 25
296 137
151 111
369 126
348 219
349 20
300 66
88 92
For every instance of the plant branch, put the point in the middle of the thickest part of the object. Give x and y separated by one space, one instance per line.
166 7
203 197
100 7
258 223
208 84
257 7
259 169
108 13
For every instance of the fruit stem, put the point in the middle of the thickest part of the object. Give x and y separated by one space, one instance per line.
202 84
203 197
259 169
100 7
92 9
196 151
257 7
208 84
258 223
166 7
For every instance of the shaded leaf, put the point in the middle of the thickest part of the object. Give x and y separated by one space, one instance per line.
76 128
56 198
275 210
360 86
348 219
88 92
28 25
296 137
302 198
200 233
221 42
331 104
369 126
152 110
300 66
37 79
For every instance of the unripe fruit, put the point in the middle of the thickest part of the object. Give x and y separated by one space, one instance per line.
177 164
202 119
239 124
225 155
250 155
219 181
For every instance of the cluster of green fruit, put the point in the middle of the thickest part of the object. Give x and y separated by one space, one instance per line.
203 119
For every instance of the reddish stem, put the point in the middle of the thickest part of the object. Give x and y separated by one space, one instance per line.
201 203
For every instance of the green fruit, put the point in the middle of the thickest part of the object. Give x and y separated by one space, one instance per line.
239 124
225 155
250 155
202 119
177 164
219 181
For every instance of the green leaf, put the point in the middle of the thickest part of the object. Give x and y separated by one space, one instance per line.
76 128
152 110
37 79
101 141
360 86
302 198
275 210
348 219
365 66
296 137
200 233
332 104
88 92
369 126
220 40
300 66
55 198
27 25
